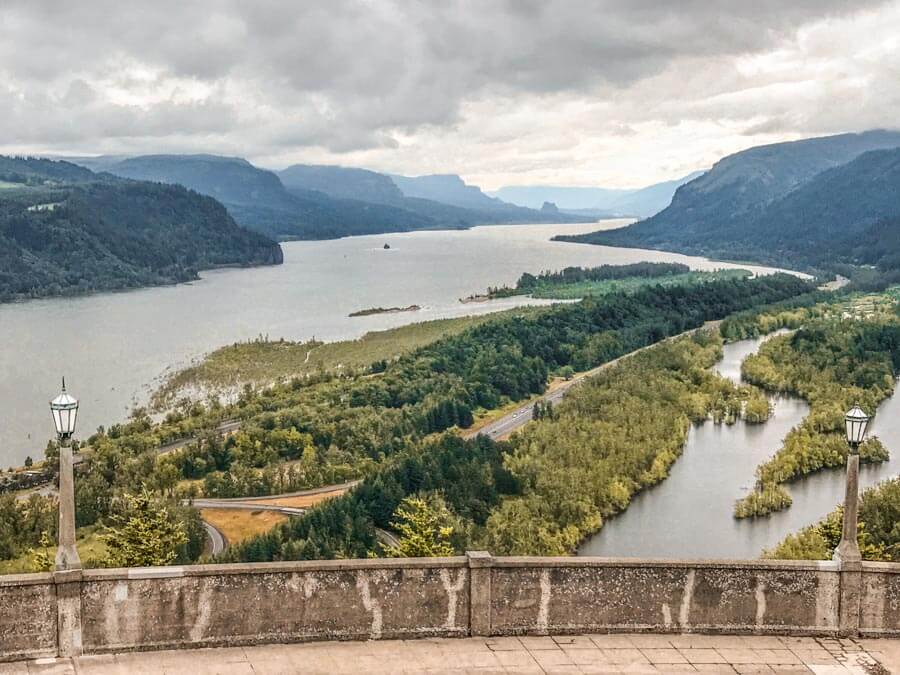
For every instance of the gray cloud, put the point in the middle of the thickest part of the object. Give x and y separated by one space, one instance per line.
397 82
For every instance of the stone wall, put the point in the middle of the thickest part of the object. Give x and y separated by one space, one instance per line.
28 616
98 611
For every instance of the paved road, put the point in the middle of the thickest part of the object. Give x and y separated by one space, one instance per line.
223 429
48 489
517 419
216 538
253 504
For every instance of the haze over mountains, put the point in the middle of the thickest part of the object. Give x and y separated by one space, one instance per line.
596 201
811 203
324 202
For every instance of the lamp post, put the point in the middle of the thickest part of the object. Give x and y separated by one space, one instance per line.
64 409
856 422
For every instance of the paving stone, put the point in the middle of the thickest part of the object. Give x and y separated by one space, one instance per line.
625 656
503 644
740 656
612 641
817 657
533 643
696 656
515 658
575 642
547 657
585 657
778 656
651 641
656 656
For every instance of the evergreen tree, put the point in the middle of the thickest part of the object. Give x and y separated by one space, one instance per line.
146 536
423 531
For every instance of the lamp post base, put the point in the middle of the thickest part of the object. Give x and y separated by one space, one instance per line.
67 559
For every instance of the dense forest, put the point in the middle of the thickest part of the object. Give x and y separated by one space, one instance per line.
65 230
325 428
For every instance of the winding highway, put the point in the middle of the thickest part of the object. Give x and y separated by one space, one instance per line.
218 542
504 426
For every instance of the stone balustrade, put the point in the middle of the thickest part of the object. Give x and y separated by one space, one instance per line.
105 610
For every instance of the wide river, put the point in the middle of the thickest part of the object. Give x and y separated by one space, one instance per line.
113 348
689 515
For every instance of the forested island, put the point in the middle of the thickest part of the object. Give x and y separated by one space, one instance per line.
577 282
66 230
385 310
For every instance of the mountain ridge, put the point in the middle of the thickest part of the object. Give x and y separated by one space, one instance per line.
66 230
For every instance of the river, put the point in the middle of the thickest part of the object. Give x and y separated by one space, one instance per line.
114 348
689 515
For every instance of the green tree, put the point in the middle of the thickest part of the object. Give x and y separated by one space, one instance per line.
146 535
42 557
424 532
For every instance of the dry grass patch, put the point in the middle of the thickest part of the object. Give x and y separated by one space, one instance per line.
237 525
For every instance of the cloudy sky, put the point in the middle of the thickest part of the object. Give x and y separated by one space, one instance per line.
618 93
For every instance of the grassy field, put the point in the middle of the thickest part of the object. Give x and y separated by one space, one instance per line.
91 547
237 526
262 362
585 288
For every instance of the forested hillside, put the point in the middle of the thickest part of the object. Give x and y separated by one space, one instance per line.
311 202
437 201
64 229
810 204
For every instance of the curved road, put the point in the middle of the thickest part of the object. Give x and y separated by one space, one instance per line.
216 538
219 543
517 419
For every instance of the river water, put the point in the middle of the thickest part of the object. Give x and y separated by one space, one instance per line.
113 348
689 515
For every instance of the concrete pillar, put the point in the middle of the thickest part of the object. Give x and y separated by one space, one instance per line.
848 555
68 612
480 564
66 554
848 550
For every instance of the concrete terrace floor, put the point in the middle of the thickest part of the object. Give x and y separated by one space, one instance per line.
565 654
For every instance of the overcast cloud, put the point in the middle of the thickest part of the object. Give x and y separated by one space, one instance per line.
613 92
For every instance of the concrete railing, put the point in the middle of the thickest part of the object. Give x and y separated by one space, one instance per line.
97 611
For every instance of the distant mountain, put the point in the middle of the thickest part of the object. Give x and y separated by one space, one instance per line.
568 198
745 183
448 189
258 199
308 202
652 199
598 202
848 214
341 182
65 229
